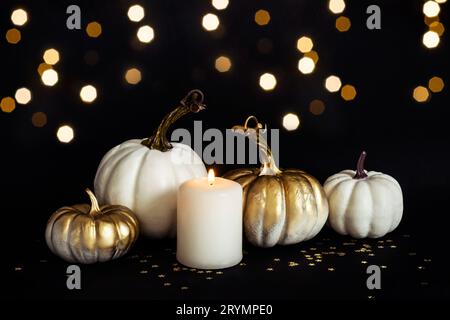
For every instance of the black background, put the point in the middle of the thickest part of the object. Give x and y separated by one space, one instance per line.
402 138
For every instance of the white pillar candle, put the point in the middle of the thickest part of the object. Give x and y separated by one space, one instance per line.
209 223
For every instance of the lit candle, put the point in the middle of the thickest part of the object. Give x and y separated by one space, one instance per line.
209 223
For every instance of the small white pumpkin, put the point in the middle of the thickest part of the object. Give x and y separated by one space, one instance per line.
363 204
144 175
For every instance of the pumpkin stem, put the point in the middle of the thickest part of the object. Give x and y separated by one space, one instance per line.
269 166
192 102
95 208
360 173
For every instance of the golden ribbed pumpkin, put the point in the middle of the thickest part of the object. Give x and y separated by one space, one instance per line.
279 206
88 233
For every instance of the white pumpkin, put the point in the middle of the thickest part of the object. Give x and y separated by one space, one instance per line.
144 175
363 204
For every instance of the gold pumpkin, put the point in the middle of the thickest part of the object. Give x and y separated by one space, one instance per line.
89 234
279 206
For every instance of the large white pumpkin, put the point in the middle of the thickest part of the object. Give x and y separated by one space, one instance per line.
144 175
363 204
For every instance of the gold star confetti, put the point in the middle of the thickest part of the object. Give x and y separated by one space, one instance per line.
292 264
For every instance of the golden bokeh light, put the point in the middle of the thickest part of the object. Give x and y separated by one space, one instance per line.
49 77
306 65
42 67
313 55
23 96
291 122
220 4
305 44
262 17
133 76
7 104
222 64
431 9
431 39
65 134
19 17
210 22
13 36
316 107
441 1
348 92
94 29
267 81
436 84
429 20
421 94
88 93
437 27
51 56
336 6
145 34
136 13
333 83
39 119
343 24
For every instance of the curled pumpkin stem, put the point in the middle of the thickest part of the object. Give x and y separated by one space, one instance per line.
269 166
95 208
360 172
192 102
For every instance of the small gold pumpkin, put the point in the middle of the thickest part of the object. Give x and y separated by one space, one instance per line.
280 206
89 234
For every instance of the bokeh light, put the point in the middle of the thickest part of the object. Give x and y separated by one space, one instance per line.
133 76
145 34
23 96
65 134
429 20
436 84
7 104
267 81
222 64
305 44
13 36
94 29
336 6
421 94
262 17
49 77
39 119
220 4
306 65
51 56
316 107
136 13
88 93
437 27
291 121
42 67
431 39
19 17
210 22
333 83
313 55
348 92
343 24
431 9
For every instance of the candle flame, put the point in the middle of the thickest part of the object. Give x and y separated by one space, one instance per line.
211 177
